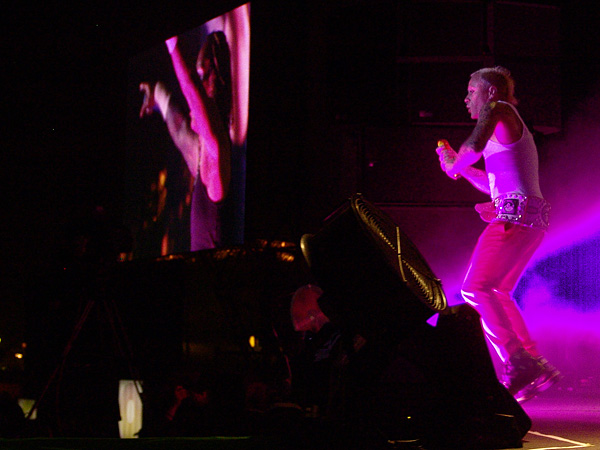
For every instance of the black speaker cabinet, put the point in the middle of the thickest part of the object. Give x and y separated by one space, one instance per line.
443 378
372 275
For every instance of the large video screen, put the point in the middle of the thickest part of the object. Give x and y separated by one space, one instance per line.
187 125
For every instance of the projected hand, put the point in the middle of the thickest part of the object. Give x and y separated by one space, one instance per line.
171 43
149 104
155 97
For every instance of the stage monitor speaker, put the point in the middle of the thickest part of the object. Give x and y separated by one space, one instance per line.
443 378
372 275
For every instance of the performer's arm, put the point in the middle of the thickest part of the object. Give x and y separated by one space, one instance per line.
472 149
215 150
477 177
493 117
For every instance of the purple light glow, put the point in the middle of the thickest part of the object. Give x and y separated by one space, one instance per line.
560 291
569 178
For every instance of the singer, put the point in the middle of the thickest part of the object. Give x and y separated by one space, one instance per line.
518 219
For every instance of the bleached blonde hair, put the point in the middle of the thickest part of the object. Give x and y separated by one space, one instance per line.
501 79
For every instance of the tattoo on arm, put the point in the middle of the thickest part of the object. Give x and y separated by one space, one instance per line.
484 129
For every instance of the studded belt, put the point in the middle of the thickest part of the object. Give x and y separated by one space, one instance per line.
522 209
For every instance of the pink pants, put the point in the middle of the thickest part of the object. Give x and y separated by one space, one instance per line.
499 258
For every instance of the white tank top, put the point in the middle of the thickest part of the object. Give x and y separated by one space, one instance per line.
513 168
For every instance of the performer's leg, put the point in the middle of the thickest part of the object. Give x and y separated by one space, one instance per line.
501 255
527 240
517 322
499 258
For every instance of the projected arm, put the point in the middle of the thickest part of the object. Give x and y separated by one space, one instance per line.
215 145
184 138
237 29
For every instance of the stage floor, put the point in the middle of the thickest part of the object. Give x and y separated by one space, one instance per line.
563 419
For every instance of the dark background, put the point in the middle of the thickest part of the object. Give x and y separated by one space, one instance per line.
346 96
317 67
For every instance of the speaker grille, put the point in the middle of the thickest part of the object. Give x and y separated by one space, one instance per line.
372 274
411 266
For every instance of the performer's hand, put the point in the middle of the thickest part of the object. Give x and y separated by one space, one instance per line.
149 104
447 157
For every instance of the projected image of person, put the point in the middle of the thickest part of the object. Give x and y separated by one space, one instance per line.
518 219
211 137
